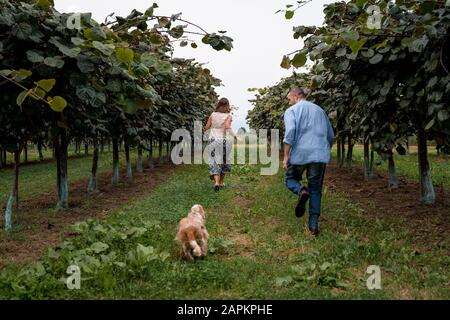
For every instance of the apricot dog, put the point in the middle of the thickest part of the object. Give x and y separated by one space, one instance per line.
192 235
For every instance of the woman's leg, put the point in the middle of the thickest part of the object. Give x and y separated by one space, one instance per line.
217 180
222 178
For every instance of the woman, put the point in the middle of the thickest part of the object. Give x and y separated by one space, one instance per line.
220 143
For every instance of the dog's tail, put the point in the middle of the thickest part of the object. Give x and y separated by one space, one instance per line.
190 233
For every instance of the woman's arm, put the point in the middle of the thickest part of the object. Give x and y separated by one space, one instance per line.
228 122
228 128
208 124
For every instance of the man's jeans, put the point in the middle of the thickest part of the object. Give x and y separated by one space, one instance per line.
314 173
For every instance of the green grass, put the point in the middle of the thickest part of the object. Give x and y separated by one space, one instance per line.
407 165
258 249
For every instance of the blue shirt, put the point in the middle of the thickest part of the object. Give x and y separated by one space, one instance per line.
309 132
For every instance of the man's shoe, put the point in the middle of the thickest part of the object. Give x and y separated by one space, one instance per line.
314 231
217 188
302 199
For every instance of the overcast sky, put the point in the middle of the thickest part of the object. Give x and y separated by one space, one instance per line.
261 38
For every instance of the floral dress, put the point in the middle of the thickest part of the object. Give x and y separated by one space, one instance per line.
219 148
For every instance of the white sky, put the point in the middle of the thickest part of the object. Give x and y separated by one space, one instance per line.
261 38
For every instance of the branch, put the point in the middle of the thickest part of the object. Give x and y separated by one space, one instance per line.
441 58
26 89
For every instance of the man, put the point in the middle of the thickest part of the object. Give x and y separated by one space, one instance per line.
307 146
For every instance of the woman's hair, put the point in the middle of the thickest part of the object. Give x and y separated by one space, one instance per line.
223 106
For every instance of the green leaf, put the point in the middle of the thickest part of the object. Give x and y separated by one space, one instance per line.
164 22
114 85
22 30
177 32
98 247
324 266
149 12
430 124
286 62
70 52
194 45
299 60
55 62
155 38
125 55
183 43
406 42
418 45
21 97
376 59
77 41
357 45
5 72
45 3
38 92
443 115
21 74
368 53
106 49
46 84
57 103
163 66
350 36
130 107
289 14
283 281
34 56
341 52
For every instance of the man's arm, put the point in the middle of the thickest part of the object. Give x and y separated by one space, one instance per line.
289 135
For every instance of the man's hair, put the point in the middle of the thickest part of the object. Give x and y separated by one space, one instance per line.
298 91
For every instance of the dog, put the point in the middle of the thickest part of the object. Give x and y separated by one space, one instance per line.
192 235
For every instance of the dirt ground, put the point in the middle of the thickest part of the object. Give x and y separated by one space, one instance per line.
429 225
41 228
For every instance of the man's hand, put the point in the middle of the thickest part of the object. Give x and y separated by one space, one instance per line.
285 164
287 152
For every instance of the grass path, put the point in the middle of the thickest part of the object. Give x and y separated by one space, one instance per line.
258 249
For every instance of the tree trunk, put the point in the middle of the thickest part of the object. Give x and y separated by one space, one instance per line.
168 150
77 147
62 188
86 149
139 164
102 145
39 147
342 153
393 179
366 159
115 175
350 153
1 157
92 186
127 157
151 162
161 158
14 195
428 196
25 152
